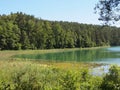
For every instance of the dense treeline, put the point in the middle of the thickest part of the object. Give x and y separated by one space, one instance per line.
21 31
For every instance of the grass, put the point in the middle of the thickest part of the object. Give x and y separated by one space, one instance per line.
7 56
28 75
24 74
6 59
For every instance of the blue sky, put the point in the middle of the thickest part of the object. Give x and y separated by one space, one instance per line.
81 11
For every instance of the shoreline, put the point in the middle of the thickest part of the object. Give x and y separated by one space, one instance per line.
9 54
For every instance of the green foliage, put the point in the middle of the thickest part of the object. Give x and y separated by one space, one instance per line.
29 77
112 80
34 76
108 10
21 31
70 81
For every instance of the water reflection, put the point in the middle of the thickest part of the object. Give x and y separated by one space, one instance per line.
103 55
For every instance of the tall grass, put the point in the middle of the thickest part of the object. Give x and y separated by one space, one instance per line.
7 55
19 75
27 75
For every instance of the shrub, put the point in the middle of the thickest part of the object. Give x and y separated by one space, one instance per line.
111 81
33 76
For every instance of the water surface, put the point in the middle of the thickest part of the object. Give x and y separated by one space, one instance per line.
109 55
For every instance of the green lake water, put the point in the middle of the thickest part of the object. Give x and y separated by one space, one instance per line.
109 55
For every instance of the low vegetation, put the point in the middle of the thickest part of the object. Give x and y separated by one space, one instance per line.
23 74
27 75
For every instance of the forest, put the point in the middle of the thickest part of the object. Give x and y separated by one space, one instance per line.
22 31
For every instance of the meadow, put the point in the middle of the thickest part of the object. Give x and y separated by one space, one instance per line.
25 74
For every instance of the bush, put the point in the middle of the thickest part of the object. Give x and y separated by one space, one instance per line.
112 79
32 76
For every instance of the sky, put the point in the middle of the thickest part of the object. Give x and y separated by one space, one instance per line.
81 11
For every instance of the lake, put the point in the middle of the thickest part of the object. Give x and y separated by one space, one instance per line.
109 55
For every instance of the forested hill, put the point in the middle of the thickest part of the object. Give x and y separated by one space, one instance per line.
21 31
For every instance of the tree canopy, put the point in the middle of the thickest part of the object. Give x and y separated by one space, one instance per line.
22 31
108 10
